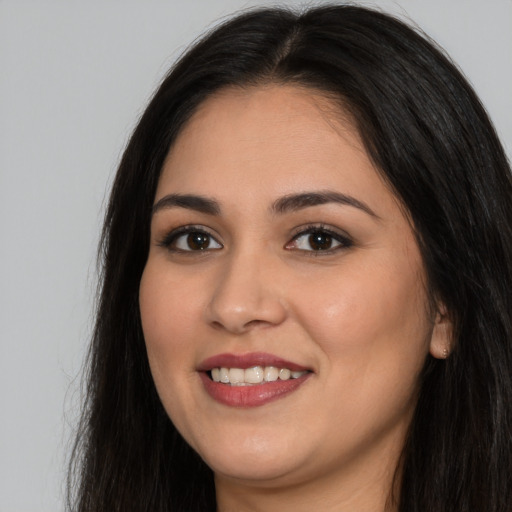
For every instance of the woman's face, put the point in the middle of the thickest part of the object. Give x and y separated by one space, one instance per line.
277 252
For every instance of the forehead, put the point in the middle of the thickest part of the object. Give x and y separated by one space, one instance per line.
277 116
275 139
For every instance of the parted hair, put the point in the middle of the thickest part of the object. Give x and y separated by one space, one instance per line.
431 140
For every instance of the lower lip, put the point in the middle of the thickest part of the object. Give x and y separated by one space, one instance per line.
251 396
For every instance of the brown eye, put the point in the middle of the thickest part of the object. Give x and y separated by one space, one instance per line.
320 241
198 241
191 240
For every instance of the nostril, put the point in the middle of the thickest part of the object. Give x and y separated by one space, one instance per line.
217 325
241 301
241 327
255 323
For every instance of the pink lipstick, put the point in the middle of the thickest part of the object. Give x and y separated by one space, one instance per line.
250 380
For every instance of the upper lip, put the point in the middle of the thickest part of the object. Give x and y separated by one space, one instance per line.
249 360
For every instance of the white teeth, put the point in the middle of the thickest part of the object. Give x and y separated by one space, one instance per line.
254 375
236 375
224 375
284 374
271 373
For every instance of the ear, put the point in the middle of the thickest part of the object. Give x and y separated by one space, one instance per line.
441 341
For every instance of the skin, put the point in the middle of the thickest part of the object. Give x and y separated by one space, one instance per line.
357 315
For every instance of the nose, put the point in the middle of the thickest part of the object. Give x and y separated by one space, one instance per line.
246 295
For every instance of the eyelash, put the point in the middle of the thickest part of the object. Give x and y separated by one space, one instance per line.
171 238
344 242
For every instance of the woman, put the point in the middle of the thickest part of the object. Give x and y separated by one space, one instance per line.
306 286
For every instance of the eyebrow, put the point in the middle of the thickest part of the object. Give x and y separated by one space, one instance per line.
285 204
294 202
188 201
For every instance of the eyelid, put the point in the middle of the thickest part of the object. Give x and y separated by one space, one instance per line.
174 234
343 239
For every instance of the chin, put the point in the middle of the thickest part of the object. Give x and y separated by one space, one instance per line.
254 458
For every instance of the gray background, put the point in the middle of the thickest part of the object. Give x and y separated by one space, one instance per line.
74 78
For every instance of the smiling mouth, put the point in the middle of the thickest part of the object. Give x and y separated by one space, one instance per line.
252 379
253 376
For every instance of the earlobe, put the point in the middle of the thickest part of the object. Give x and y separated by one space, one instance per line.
441 341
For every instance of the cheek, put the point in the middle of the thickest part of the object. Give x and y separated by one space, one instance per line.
373 333
369 317
167 316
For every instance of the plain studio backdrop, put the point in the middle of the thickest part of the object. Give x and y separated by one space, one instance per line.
75 76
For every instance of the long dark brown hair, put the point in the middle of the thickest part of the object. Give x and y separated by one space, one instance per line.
432 141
